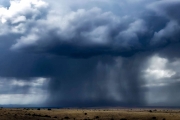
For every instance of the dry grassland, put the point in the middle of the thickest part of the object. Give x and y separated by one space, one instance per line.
89 114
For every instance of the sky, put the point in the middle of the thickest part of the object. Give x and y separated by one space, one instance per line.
90 53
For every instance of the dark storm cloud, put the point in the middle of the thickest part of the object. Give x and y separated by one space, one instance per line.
78 34
86 36
167 8
113 82
105 50
97 81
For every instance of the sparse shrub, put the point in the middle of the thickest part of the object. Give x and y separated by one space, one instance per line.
150 110
66 117
47 116
49 108
38 109
96 117
164 118
37 115
154 118
123 119
85 113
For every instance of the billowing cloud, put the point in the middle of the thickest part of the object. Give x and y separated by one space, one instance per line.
166 8
78 34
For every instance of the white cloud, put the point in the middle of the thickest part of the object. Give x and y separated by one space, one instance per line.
161 79
17 18
21 7
22 99
159 73
33 91
33 83
157 69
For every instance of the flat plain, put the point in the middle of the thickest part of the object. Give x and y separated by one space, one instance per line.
89 114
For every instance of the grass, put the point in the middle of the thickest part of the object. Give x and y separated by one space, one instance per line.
89 114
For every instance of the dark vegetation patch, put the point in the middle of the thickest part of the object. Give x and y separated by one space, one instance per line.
66 117
36 115
28 114
123 119
47 116
154 118
96 117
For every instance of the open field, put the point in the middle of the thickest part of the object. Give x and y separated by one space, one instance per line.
89 114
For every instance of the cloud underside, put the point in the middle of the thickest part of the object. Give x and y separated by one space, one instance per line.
76 33
116 53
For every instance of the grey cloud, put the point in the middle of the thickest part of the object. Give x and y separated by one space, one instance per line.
105 33
166 8
78 34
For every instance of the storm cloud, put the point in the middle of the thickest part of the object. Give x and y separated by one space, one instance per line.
78 34
91 53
